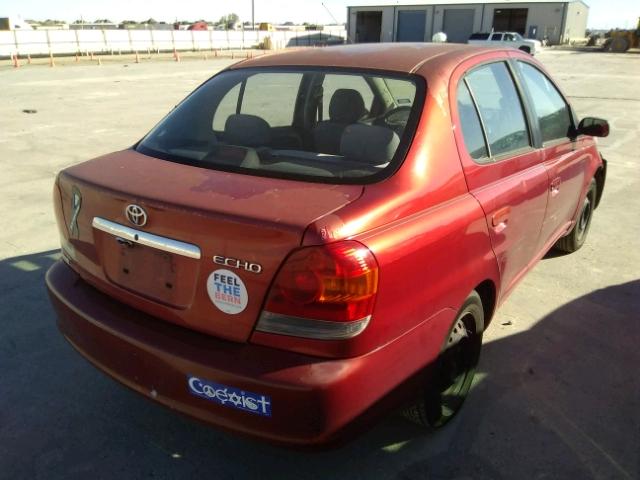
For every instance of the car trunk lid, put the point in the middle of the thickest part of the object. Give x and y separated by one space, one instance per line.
211 243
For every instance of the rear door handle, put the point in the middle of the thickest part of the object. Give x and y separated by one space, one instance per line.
554 186
500 218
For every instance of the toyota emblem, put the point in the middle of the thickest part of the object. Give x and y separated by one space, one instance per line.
136 215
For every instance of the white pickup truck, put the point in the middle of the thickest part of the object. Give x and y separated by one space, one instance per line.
507 39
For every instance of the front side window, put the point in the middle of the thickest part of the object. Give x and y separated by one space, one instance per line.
267 122
553 113
332 83
403 92
500 108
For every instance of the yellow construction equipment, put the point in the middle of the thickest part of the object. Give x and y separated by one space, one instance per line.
622 40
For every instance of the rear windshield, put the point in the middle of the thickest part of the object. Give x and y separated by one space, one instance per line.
324 125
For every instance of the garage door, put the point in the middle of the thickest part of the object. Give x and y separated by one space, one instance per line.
458 24
411 24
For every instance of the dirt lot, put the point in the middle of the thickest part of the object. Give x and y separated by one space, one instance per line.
557 394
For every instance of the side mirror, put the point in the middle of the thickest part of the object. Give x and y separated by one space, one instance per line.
594 127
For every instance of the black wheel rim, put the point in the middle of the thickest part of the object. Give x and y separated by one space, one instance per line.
456 368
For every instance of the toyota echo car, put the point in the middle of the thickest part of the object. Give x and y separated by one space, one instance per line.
313 238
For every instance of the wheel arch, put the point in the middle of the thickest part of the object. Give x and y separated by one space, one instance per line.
487 292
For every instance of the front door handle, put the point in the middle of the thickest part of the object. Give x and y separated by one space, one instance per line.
554 186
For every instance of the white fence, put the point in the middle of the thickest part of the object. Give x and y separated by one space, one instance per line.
60 42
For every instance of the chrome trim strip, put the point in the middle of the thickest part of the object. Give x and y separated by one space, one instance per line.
309 328
147 239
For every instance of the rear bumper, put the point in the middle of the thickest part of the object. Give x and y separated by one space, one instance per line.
311 400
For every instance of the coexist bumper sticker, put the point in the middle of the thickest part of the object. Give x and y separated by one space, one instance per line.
230 396
227 291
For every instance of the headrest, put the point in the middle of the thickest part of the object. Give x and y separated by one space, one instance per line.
247 131
346 106
369 143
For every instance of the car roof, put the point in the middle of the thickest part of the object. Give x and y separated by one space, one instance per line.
397 57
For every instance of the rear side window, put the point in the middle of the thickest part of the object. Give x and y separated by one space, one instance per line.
228 106
497 37
552 112
479 36
470 122
500 108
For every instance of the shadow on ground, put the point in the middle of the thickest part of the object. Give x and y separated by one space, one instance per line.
560 400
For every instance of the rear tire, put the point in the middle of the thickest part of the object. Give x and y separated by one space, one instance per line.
620 44
578 234
455 368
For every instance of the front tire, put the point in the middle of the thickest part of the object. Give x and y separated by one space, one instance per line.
455 368
578 234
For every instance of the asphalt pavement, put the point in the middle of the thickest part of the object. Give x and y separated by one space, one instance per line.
557 394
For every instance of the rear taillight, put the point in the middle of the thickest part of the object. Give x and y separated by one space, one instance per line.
324 292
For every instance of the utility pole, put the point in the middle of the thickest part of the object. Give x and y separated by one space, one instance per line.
253 18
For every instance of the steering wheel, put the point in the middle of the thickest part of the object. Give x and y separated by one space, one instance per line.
397 118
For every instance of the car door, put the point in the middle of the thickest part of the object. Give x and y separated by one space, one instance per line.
504 171
565 162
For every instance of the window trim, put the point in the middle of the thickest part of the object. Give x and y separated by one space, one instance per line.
532 129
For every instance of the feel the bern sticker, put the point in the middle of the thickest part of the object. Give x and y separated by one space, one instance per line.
227 291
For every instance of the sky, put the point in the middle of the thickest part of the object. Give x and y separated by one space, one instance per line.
602 14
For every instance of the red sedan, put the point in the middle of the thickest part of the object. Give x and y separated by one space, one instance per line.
315 237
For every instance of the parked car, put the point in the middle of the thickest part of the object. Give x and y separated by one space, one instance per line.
506 39
314 237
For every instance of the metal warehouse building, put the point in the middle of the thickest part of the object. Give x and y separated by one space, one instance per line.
410 21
